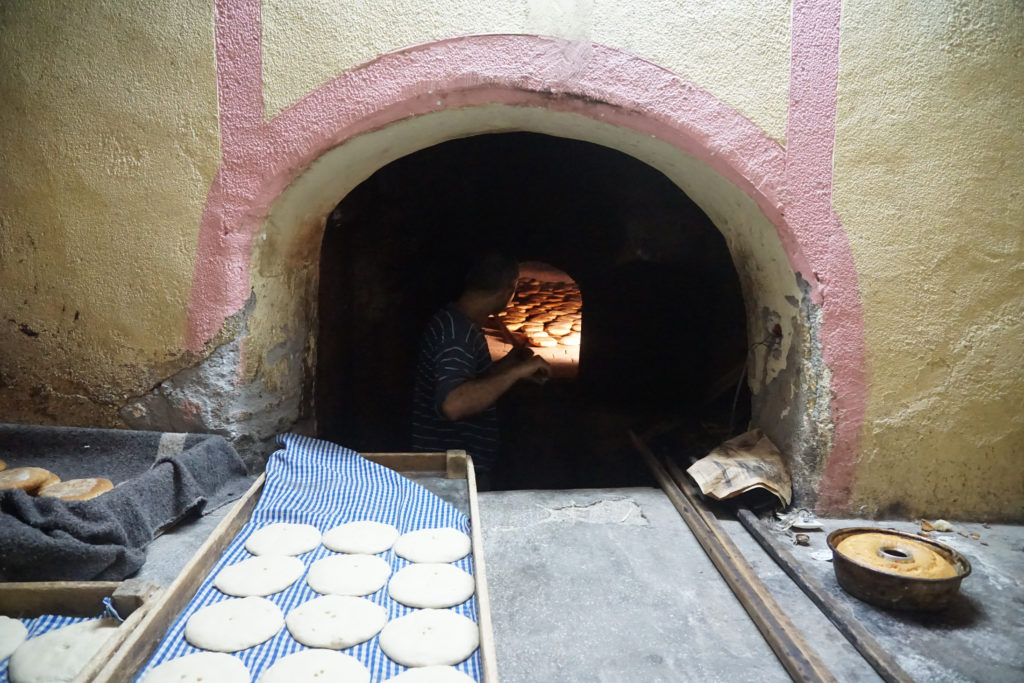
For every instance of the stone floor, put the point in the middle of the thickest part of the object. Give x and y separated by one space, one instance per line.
610 585
979 637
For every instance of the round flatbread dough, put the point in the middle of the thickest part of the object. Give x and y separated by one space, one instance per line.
348 575
259 576
12 634
35 660
28 479
215 667
431 585
433 545
317 665
233 625
364 537
336 622
283 538
432 674
429 637
76 489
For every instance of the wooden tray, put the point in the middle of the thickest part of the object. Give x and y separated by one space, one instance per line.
136 648
133 600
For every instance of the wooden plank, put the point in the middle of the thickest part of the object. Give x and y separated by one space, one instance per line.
131 594
138 646
796 656
450 464
875 655
25 600
488 656
29 599
411 462
150 595
132 599
457 465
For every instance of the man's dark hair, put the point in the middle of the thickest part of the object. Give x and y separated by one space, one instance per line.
492 272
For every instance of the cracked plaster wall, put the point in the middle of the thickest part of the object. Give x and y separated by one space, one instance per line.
110 145
113 144
789 380
116 144
254 378
929 170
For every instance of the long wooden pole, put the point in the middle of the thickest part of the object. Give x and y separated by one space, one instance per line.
799 659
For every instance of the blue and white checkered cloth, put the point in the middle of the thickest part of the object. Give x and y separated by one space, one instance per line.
323 484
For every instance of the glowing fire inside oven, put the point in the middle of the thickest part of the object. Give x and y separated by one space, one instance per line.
545 315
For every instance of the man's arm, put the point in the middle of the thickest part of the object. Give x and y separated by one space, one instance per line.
476 395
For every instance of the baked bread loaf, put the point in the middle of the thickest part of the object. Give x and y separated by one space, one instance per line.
572 339
548 313
77 489
28 479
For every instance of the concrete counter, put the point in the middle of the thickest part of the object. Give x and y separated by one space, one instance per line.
610 585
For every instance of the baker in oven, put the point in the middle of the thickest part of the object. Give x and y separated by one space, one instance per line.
457 386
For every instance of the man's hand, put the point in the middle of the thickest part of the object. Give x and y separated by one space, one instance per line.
517 355
526 364
534 368
476 395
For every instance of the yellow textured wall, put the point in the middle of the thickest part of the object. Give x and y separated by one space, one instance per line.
929 175
738 50
110 142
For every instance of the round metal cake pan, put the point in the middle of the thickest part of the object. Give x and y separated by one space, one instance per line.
892 590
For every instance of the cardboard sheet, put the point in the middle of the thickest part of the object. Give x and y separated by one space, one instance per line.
746 462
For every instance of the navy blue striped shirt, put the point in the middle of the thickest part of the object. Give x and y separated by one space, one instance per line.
453 350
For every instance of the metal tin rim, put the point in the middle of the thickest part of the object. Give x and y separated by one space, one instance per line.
961 563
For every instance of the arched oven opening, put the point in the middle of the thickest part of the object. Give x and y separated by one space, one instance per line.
602 238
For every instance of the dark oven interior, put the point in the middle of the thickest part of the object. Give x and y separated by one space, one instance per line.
663 335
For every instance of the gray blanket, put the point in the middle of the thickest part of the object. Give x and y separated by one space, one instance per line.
104 538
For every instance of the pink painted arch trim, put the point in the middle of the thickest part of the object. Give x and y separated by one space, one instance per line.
261 158
547 73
